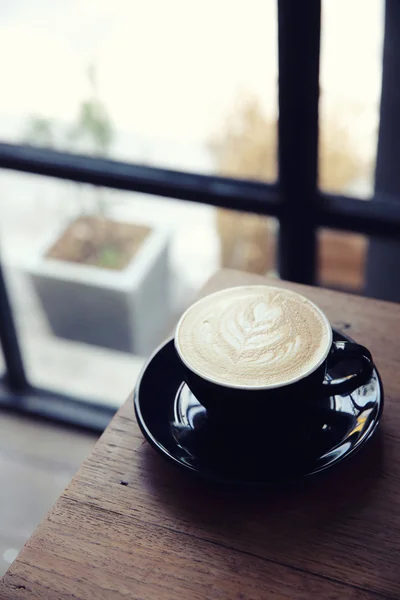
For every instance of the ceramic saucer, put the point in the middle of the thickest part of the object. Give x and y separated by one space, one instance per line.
176 425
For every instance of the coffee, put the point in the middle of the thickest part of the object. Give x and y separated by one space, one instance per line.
253 337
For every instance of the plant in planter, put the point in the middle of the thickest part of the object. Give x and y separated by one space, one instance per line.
101 281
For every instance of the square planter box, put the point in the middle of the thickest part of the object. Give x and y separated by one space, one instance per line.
125 310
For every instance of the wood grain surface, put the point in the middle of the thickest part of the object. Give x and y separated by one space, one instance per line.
166 535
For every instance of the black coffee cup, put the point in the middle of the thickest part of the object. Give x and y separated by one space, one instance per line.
225 403
232 404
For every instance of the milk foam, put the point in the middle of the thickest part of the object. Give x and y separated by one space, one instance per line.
253 336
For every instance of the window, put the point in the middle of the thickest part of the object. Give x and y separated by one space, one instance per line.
192 108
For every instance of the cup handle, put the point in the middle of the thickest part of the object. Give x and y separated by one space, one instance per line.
343 351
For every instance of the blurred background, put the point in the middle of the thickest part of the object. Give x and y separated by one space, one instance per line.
98 277
131 80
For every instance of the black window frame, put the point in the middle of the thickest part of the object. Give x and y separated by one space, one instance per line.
295 200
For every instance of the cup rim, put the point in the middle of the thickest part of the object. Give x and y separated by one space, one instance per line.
254 387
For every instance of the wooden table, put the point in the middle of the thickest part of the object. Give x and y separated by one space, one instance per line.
167 535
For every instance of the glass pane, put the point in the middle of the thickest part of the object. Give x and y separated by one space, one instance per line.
350 80
178 84
2 361
97 278
247 242
341 260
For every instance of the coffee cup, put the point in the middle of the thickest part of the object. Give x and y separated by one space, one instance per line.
250 351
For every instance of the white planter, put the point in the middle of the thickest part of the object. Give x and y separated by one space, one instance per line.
124 310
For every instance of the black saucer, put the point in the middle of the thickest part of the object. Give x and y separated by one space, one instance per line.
176 425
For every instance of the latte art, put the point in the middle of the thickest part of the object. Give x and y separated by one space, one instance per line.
253 336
